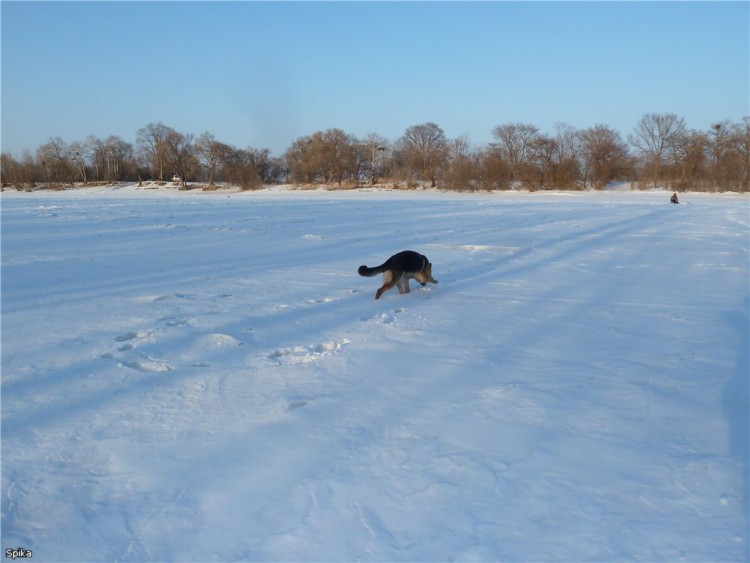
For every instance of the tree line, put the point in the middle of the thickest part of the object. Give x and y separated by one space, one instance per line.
661 151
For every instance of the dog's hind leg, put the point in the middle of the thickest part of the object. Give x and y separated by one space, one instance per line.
388 283
383 289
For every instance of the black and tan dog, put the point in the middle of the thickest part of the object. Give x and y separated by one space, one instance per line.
399 269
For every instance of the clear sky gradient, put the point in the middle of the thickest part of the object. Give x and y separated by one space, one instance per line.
263 74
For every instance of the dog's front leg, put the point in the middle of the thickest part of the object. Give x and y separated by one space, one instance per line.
403 284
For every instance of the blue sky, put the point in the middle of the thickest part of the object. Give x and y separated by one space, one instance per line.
263 74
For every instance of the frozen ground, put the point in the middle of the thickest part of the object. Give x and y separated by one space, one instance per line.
205 377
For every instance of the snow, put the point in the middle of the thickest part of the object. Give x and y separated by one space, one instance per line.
204 377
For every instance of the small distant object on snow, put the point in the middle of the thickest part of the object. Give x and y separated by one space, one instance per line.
673 199
176 179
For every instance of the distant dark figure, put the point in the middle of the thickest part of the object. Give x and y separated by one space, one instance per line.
673 199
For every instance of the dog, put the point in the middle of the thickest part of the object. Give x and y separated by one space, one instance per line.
399 269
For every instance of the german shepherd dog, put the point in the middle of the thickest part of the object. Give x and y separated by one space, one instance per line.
399 269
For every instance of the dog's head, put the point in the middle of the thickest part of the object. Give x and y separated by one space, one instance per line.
426 274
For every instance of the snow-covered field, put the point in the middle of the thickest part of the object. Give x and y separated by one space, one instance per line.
205 377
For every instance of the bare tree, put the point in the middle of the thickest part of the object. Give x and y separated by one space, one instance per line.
514 141
741 145
261 159
691 162
568 141
376 149
462 170
325 156
55 158
568 147
542 156
151 139
77 152
656 136
278 170
14 173
604 155
724 156
357 160
120 158
302 160
211 154
425 150
180 154
496 172
335 148
719 143
96 152
240 168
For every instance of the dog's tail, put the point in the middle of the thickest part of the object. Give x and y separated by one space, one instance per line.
369 272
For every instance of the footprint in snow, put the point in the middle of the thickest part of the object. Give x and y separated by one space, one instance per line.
175 321
129 336
321 300
126 356
304 354
170 296
297 405
217 340
335 298
146 365
384 318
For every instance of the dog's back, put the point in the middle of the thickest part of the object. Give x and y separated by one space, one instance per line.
404 261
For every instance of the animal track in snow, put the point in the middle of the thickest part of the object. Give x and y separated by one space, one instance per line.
170 296
126 356
297 404
146 364
384 318
322 300
176 321
480 248
330 299
305 354
217 340
130 336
